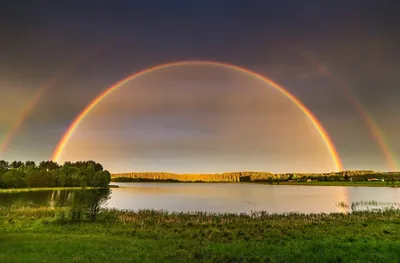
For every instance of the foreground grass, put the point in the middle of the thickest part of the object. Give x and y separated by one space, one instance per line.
45 235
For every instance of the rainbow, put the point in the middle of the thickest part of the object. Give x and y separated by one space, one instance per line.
16 125
373 127
75 123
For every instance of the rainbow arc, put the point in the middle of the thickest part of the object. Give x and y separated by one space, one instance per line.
75 123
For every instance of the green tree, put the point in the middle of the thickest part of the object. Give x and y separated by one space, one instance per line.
96 199
66 175
49 174
30 163
16 164
36 179
13 179
4 165
101 179
97 166
48 165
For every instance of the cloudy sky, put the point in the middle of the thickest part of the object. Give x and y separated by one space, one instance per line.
340 58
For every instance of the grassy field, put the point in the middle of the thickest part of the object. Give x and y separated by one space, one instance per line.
46 235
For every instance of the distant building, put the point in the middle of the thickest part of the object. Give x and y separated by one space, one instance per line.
375 179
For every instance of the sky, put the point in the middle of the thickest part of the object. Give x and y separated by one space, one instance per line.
339 58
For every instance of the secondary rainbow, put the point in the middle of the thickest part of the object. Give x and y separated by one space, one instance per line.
20 120
75 123
373 127
57 78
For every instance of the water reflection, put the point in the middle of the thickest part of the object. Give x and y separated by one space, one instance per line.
215 197
55 198
238 198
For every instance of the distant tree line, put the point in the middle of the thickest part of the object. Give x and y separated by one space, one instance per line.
356 175
19 174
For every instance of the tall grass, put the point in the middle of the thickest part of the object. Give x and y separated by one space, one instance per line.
153 217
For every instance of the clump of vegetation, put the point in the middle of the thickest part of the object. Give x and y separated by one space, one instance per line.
89 205
50 174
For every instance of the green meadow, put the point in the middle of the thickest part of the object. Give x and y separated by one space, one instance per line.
43 234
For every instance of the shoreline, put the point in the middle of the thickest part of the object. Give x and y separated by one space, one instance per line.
36 189
348 184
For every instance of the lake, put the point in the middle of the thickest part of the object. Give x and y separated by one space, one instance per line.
222 197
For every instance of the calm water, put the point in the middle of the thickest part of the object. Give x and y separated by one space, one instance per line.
220 197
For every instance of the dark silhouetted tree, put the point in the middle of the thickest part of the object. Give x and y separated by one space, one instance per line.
4 165
48 165
16 164
30 163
